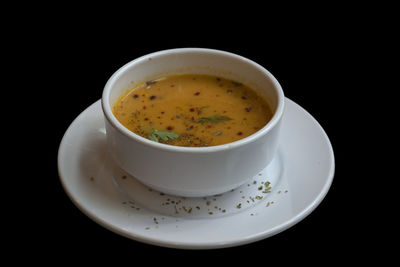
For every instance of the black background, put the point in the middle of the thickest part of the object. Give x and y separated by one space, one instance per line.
316 61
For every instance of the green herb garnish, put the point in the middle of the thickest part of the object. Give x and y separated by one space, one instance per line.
155 134
213 119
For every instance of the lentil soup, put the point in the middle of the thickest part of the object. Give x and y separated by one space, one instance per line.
192 110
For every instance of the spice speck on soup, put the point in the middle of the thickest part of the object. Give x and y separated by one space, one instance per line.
192 110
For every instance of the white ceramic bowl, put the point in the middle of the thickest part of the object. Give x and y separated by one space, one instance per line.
192 171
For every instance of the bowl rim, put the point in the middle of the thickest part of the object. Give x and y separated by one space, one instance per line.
107 111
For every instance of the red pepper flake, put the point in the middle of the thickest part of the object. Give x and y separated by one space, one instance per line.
152 97
170 128
191 110
146 119
197 93
255 128
144 107
247 109
135 96
218 79
224 111
192 118
243 97
209 126
172 119
239 133
162 112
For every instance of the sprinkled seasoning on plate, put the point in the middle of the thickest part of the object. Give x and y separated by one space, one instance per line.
257 192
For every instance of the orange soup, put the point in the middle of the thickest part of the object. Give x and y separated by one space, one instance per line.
192 110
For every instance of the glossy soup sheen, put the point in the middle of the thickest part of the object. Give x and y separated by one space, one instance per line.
192 110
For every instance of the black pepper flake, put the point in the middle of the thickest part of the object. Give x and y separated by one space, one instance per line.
135 96
247 109
152 97
239 133
197 93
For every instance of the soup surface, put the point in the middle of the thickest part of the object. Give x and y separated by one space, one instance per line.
192 110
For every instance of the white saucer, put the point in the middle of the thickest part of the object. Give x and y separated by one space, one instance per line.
284 193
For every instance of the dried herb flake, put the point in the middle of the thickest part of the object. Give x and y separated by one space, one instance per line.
213 119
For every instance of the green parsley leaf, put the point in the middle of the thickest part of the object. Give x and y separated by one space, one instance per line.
155 134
